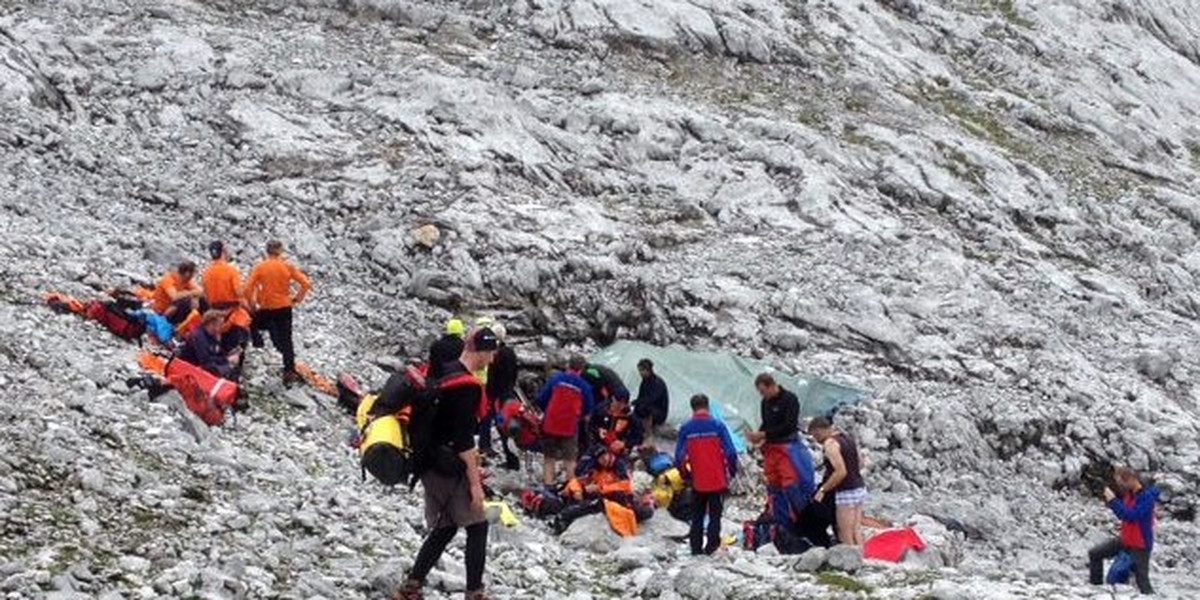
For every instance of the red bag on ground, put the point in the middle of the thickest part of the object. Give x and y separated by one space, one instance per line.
205 394
114 319
892 545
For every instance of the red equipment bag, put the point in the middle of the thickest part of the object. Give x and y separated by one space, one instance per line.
205 394
120 323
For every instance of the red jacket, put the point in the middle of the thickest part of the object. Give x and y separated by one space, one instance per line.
706 453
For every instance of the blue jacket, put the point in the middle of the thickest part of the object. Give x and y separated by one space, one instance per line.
565 401
706 453
204 351
589 403
1136 513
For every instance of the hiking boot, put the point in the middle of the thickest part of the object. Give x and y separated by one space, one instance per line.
241 404
291 377
411 590
477 595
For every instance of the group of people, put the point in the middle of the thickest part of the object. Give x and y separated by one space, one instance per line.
217 315
590 427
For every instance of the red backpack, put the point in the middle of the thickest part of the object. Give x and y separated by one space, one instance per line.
521 424
205 394
563 411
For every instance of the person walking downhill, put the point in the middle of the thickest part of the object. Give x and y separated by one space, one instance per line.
453 482
707 456
269 293
843 478
1133 503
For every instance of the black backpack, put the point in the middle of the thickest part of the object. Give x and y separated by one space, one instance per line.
414 404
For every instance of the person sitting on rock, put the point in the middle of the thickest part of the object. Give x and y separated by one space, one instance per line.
203 348
177 293
653 401
604 487
1133 503
615 427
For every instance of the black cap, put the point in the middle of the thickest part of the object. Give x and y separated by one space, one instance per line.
482 340
216 249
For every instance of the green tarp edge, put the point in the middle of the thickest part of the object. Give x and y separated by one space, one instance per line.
727 379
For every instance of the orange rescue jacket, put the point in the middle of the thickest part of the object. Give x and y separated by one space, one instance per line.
170 283
270 285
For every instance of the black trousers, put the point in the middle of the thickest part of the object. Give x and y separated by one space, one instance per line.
474 557
1109 549
278 324
711 506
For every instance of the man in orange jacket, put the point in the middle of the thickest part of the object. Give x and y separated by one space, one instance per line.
269 293
177 293
223 290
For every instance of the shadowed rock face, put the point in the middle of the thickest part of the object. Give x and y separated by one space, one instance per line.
984 211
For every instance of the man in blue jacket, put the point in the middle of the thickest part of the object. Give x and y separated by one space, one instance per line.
706 455
566 402
1134 506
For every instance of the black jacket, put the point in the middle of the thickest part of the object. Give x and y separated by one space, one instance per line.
605 382
780 417
653 400
502 375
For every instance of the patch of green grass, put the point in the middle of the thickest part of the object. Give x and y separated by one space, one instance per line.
844 582
1008 10
980 123
1194 148
961 165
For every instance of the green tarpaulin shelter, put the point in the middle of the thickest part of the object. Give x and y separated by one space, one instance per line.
726 379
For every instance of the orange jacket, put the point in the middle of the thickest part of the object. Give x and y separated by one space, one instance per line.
270 285
222 284
170 283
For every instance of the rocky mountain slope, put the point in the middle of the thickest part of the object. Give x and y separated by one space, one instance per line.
985 211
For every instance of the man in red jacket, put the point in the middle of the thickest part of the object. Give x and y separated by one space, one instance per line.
707 456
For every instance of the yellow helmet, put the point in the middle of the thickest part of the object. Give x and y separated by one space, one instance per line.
456 327
662 496
671 479
484 321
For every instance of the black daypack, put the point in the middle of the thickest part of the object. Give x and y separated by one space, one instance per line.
402 457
